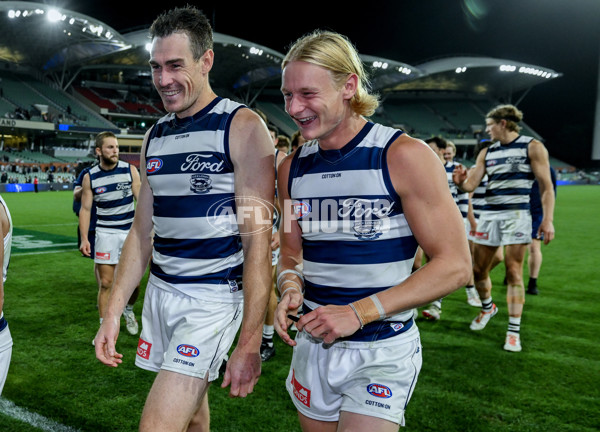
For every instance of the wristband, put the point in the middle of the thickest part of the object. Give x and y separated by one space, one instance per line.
280 282
297 288
368 310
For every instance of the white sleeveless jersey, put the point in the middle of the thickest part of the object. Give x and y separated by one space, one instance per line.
113 196
509 176
355 238
197 247
7 241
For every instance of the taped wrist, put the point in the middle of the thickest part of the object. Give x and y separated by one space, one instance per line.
368 310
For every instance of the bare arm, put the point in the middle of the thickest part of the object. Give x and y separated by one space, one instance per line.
252 154
85 213
132 266
135 181
468 180
540 165
290 256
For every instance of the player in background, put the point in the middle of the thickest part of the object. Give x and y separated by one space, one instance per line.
511 163
112 185
6 341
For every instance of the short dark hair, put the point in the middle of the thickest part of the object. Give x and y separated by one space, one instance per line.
188 20
439 142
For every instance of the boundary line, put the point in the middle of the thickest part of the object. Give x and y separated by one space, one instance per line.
34 419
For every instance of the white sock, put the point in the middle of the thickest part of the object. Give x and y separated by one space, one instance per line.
514 324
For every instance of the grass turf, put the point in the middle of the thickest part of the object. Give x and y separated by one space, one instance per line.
468 383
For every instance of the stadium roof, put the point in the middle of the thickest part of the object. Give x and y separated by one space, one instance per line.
59 43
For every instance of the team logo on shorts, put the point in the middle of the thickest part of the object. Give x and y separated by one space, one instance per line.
301 209
153 165
188 350
379 390
143 349
200 183
301 393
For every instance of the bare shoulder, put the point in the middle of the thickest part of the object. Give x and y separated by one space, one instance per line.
246 120
413 166
406 151
536 149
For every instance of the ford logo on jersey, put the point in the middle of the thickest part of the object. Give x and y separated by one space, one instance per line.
188 350
153 165
379 391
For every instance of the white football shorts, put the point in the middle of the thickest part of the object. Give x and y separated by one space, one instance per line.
184 334
508 228
6 344
369 378
108 245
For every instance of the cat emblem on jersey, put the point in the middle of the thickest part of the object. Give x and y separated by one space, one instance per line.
368 229
200 183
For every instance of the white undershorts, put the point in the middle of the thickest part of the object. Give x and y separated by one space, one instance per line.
184 334
507 228
369 378
108 246
6 344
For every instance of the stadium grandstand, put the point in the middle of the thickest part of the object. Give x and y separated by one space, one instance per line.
65 76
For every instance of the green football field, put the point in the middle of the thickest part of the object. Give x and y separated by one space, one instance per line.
468 382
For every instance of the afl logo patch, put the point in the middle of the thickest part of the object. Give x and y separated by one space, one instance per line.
153 165
301 209
100 190
379 391
188 350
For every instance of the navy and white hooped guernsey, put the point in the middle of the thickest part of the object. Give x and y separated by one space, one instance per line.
510 176
478 198
113 196
355 238
460 198
197 248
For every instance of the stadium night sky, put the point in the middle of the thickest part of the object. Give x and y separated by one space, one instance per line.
558 34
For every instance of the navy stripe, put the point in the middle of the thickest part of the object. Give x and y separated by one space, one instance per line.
387 179
222 277
221 247
359 252
197 161
190 205
325 295
512 176
508 206
376 330
522 192
319 212
316 163
196 123
115 217
3 323
114 203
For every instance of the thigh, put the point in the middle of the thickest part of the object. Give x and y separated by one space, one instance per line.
483 257
172 402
